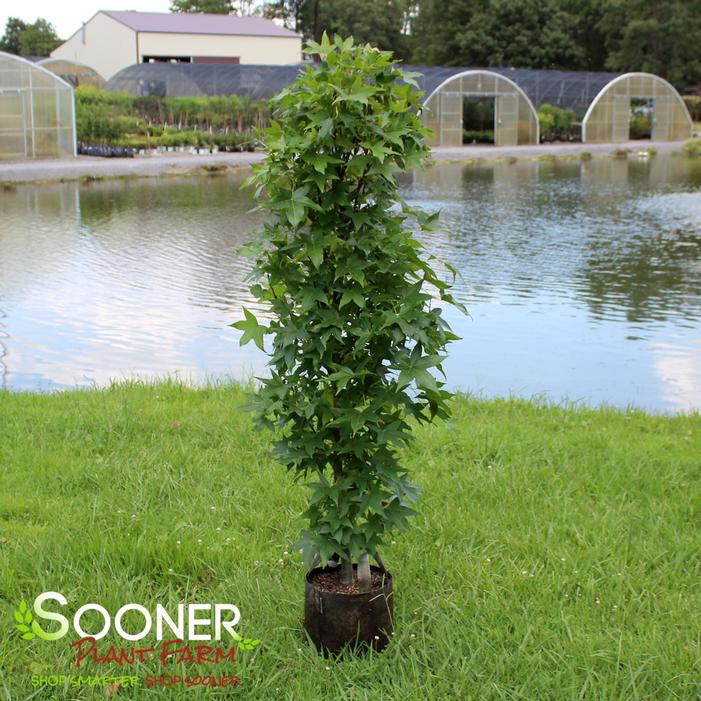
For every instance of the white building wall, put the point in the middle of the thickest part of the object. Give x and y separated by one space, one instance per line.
249 49
104 44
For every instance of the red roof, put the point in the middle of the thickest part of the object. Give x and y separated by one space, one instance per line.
186 23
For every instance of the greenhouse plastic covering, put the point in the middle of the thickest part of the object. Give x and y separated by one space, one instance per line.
602 100
565 89
608 117
515 118
574 90
74 73
197 79
36 111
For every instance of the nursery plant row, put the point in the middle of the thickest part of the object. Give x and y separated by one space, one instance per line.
149 122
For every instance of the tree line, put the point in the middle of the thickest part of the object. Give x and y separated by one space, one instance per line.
659 37
37 38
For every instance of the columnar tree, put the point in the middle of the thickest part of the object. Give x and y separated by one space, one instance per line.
357 335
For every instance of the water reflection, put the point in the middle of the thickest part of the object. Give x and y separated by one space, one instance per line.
3 352
111 280
583 279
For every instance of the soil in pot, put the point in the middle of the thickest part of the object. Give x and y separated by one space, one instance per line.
338 616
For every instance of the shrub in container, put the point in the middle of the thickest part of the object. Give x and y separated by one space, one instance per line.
356 334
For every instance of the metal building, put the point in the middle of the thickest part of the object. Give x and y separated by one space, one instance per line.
110 41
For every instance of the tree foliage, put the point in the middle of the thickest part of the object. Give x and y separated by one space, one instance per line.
518 33
215 7
10 42
377 22
35 39
38 39
556 124
382 23
595 35
356 334
617 35
661 37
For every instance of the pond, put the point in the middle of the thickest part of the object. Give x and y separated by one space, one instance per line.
583 280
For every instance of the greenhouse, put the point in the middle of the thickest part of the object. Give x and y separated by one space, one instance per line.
492 103
198 79
603 103
608 116
462 105
37 117
74 73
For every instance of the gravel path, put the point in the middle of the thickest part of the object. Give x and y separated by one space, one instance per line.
185 164
141 166
462 153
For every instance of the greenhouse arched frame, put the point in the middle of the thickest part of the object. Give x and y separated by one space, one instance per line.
73 72
607 118
515 117
37 111
601 101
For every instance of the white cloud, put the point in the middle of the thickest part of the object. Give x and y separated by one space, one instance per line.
679 369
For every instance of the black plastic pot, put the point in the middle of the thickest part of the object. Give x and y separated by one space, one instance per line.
334 620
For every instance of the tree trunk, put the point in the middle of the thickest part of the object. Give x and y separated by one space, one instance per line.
347 569
364 581
378 560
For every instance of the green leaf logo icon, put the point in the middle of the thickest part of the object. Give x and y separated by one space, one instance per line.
24 618
245 643
248 644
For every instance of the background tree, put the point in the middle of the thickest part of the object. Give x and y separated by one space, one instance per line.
594 35
587 32
519 33
13 31
38 39
289 11
381 23
661 37
215 7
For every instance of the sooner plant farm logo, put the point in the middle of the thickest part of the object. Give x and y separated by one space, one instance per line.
226 617
174 629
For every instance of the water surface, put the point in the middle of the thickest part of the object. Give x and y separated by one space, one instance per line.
583 280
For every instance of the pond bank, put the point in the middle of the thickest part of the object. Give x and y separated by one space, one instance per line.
554 547
91 168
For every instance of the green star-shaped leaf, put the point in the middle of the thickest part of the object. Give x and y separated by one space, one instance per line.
252 330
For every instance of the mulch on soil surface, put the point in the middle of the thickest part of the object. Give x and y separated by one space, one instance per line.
330 581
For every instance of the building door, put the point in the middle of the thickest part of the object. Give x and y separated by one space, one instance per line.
620 122
661 119
506 120
13 125
451 119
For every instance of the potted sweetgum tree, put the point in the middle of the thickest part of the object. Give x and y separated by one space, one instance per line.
356 334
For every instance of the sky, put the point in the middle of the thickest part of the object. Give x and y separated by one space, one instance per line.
68 16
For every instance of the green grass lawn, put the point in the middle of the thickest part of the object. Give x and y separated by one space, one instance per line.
555 557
